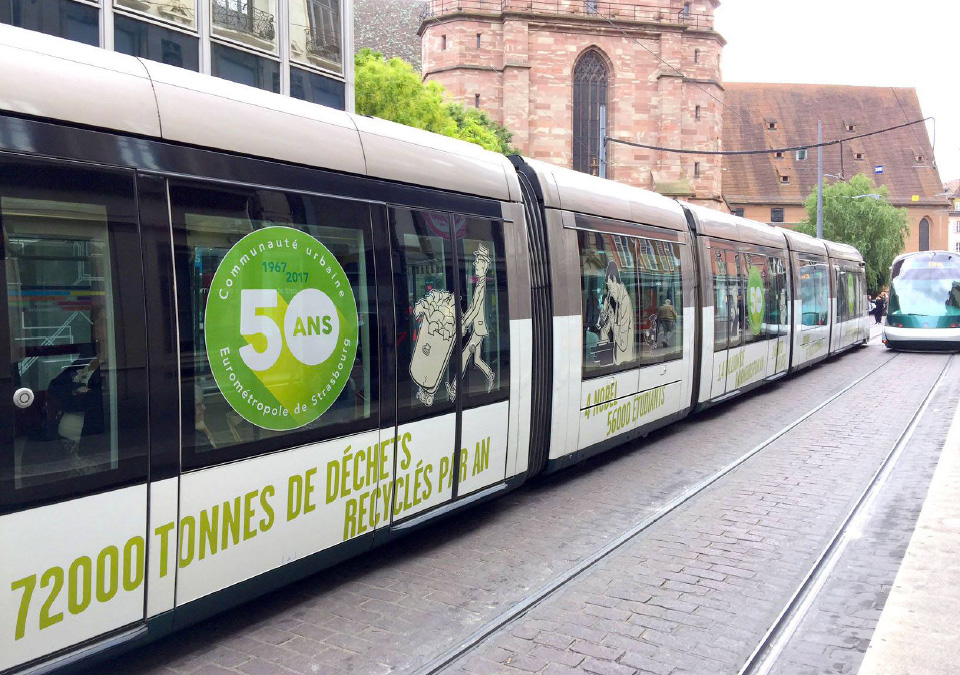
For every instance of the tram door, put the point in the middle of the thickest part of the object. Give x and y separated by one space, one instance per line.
728 311
73 438
452 348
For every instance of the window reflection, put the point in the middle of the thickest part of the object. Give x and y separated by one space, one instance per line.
661 301
180 12
814 292
315 33
59 294
609 275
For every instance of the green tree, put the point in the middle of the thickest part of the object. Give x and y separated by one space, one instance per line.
875 227
393 90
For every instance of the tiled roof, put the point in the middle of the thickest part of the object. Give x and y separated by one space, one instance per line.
389 27
759 179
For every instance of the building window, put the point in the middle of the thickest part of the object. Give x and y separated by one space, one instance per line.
919 158
245 68
478 40
180 12
737 212
776 215
784 179
851 127
316 88
686 9
589 96
957 246
443 42
696 56
62 18
956 226
771 125
476 100
778 154
801 154
243 21
696 169
858 156
924 235
696 113
149 41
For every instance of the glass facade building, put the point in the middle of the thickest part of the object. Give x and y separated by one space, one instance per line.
293 47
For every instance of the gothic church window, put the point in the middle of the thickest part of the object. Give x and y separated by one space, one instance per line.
589 96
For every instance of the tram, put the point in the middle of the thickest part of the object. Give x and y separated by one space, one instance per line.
924 312
247 337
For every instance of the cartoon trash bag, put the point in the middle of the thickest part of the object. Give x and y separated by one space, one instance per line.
436 314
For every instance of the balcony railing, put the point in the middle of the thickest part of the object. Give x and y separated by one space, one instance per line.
600 9
243 18
326 45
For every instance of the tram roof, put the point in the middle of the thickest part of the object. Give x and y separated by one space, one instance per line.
843 251
713 223
804 243
582 193
49 77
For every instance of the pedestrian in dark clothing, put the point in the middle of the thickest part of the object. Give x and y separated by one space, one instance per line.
881 307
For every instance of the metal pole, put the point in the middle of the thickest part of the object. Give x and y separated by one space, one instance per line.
819 180
603 141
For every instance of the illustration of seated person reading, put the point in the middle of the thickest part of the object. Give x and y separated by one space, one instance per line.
436 314
615 325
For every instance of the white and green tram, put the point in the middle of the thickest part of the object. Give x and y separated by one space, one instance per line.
247 337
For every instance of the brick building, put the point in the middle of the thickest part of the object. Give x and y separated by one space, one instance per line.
774 188
545 68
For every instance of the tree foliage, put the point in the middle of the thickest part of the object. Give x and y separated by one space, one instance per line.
393 90
875 227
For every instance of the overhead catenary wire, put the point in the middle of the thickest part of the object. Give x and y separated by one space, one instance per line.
791 148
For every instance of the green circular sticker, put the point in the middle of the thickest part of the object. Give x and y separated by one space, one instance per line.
755 300
281 328
851 295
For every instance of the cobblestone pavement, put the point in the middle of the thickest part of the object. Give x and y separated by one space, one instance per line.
836 631
697 591
408 601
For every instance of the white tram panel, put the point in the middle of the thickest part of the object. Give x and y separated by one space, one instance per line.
241 519
59 79
61 588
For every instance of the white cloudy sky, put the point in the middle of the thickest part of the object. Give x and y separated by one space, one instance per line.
898 43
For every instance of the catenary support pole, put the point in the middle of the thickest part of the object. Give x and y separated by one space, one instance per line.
819 180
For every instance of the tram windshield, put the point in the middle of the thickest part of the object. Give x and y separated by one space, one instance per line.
928 289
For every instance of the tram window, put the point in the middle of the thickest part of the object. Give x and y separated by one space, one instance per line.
779 305
207 224
759 300
661 301
609 286
728 300
68 284
426 312
814 293
484 316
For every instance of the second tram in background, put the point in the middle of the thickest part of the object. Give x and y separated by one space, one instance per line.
924 311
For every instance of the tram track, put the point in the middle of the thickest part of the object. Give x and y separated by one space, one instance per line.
765 656
531 601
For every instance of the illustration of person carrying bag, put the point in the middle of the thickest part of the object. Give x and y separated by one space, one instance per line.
615 324
474 321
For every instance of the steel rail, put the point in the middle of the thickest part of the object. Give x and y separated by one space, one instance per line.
534 599
771 646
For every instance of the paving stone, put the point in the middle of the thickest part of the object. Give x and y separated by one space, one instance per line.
746 540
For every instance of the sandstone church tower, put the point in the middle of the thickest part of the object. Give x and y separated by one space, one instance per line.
546 69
